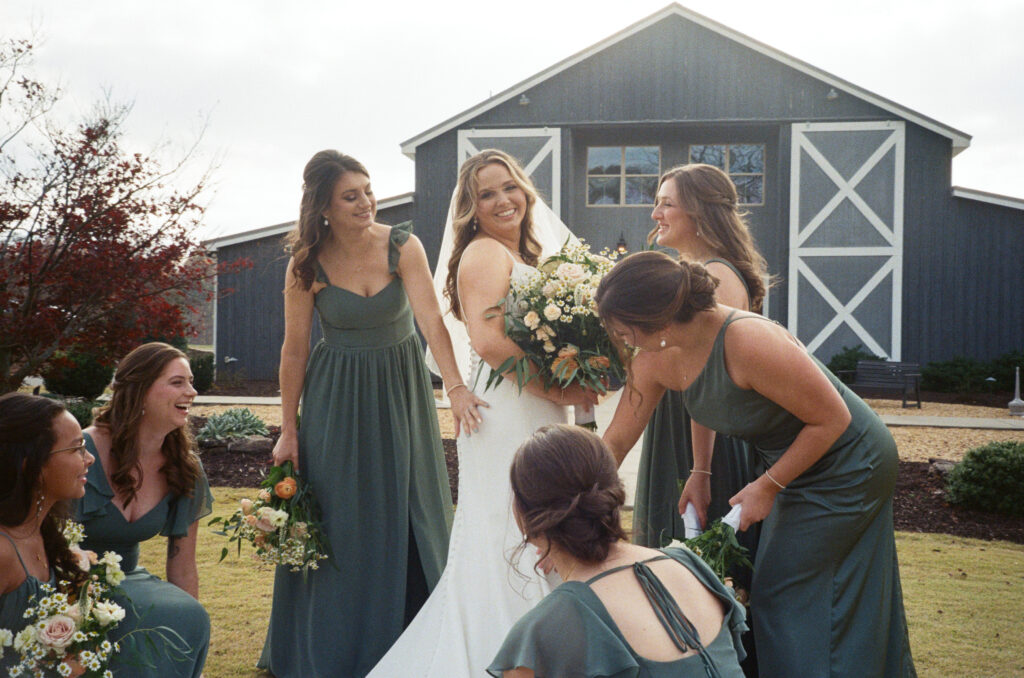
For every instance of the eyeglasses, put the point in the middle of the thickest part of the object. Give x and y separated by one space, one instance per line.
80 448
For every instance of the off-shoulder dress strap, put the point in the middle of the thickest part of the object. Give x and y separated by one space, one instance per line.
16 552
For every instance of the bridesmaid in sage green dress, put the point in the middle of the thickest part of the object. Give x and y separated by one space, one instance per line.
826 597
148 481
604 619
369 442
43 463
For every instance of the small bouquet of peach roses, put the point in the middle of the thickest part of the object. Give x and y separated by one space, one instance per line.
67 628
282 523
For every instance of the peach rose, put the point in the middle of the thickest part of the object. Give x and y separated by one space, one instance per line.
286 488
599 362
246 505
57 632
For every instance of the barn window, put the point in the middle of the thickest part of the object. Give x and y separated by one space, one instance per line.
744 163
622 175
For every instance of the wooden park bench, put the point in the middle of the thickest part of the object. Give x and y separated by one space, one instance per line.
881 375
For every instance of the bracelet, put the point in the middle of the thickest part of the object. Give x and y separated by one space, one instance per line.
697 470
449 391
781 486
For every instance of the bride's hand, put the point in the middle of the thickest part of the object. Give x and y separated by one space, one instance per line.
287 449
465 410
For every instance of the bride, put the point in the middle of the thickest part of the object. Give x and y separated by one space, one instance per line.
494 240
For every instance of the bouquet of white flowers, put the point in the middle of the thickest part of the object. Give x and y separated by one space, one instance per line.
67 630
282 523
551 315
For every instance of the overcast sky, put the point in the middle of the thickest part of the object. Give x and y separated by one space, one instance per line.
279 81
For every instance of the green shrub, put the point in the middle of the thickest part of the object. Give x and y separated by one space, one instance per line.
82 410
959 375
202 369
233 423
990 478
846 359
1002 369
77 375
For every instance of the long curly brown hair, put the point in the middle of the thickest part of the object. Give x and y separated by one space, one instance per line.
463 224
26 439
709 198
122 416
319 178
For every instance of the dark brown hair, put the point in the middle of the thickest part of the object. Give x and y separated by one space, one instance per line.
708 196
122 416
319 178
463 227
650 290
566 488
26 439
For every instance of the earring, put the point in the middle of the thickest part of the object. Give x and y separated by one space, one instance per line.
39 504
473 223
143 411
663 342
327 223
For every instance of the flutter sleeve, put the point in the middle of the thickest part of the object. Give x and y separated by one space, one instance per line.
186 510
562 636
399 234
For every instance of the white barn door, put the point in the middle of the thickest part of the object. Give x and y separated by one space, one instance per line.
846 236
538 149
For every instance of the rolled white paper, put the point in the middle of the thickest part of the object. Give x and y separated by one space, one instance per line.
581 416
691 523
732 519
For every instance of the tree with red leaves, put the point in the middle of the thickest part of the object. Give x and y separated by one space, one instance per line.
98 248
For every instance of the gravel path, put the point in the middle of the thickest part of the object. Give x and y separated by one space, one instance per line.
916 443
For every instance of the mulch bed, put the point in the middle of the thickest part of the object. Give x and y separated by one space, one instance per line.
919 505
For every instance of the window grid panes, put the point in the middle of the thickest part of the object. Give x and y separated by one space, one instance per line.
622 175
744 163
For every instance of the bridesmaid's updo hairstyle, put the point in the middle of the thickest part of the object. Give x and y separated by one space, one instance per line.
566 488
650 290
709 198
464 223
27 438
122 416
319 178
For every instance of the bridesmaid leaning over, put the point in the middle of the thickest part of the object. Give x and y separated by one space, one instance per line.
826 597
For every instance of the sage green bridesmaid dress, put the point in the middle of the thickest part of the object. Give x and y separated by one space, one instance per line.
826 596
152 604
13 605
571 633
370 446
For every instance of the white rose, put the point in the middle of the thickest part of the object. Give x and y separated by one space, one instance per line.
549 347
107 613
552 312
550 289
57 632
571 273
531 320
6 638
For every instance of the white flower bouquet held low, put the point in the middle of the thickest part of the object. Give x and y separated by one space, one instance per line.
282 523
67 630
552 316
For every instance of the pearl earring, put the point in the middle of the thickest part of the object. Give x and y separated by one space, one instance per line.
663 342
327 223
473 223
39 504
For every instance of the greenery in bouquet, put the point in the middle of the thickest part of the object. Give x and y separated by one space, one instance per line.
282 523
717 546
551 315
68 626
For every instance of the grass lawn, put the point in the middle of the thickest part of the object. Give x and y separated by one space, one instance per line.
964 599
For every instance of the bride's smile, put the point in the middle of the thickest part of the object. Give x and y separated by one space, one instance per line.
500 203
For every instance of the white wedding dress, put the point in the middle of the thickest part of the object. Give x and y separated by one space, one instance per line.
480 595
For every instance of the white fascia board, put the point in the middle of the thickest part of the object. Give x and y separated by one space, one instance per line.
960 140
991 198
279 229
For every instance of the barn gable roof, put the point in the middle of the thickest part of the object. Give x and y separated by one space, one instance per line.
958 139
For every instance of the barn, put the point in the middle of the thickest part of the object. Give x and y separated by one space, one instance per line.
849 194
